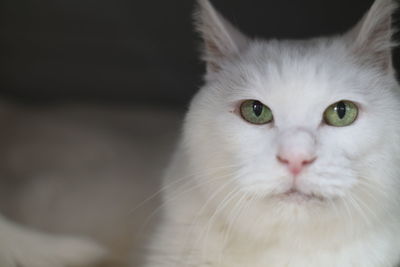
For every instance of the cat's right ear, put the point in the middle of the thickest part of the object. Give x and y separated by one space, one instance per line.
221 39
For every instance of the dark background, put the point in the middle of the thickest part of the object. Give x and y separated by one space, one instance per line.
136 52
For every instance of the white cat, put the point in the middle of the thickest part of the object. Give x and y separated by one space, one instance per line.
290 154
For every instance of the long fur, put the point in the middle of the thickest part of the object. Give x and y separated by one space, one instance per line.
226 200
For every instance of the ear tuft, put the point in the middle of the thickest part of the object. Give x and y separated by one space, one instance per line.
371 38
221 39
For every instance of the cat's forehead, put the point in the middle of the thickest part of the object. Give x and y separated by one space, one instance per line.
298 70
298 61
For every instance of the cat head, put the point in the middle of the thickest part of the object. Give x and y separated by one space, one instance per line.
298 125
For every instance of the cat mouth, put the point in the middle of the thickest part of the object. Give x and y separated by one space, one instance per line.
295 195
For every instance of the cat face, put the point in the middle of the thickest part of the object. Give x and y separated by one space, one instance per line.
296 158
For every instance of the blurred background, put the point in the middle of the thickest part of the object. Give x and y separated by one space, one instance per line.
142 52
92 94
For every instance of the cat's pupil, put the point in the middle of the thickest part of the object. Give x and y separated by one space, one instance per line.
341 109
257 108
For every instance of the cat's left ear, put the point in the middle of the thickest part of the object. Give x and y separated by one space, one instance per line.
221 39
371 39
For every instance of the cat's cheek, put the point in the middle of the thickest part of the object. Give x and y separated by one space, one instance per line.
254 148
353 141
330 182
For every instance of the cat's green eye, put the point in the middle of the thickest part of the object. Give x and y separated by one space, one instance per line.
255 112
340 114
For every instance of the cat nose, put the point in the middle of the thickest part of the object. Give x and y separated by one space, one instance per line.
296 162
296 149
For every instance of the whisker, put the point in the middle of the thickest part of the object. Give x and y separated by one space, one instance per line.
235 213
198 214
177 181
166 201
358 208
348 211
223 204
366 207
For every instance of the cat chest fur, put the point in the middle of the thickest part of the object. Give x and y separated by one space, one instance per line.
194 240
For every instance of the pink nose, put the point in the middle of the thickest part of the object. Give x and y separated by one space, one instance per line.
296 163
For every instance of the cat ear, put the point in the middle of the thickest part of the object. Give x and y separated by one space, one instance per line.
371 38
221 39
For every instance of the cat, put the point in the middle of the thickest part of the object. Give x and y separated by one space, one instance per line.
290 154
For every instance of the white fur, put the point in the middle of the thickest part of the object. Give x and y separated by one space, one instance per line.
224 203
